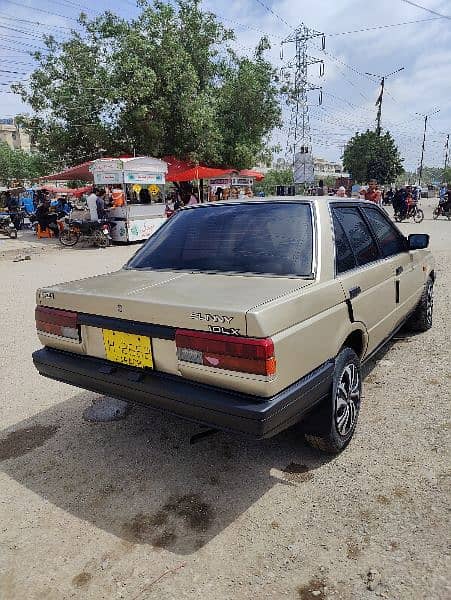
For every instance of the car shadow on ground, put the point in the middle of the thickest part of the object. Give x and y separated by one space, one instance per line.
141 480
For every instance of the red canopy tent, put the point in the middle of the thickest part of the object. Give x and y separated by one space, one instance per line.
255 174
178 170
56 190
198 172
77 173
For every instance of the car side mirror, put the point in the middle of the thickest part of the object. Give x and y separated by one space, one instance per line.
418 241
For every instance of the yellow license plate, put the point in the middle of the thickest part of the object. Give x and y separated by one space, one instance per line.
128 348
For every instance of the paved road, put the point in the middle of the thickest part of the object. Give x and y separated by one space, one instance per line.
131 510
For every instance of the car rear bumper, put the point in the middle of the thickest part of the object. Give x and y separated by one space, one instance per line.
214 407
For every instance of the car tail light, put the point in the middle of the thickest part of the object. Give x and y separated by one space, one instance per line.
246 355
58 322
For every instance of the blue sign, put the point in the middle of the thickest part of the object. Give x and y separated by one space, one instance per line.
6 121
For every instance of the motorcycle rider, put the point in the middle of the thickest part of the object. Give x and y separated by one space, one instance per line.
12 204
44 218
446 206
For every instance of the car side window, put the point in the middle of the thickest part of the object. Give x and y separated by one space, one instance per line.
344 256
390 241
358 233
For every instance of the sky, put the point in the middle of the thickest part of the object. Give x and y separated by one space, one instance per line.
422 45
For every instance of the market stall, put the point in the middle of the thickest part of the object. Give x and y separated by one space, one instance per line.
234 185
133 183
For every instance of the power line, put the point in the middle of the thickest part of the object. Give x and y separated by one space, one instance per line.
429 10
12 72
47 12
48 26
388 26
269 9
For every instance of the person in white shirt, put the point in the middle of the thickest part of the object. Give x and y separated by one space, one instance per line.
341 192
92 206
193 200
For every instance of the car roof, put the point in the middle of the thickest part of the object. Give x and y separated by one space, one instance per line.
282 200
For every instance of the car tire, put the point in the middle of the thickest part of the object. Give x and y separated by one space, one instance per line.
421 319
332 425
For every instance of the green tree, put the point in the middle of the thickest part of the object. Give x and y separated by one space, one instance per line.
273 178
446 175
165 83
19 167
431 174
372 156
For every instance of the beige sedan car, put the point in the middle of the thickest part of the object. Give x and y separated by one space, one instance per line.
248 317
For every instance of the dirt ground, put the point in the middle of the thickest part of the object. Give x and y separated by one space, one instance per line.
131 510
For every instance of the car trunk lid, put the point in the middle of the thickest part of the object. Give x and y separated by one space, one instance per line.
200 301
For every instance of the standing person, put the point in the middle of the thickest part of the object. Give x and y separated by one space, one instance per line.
193 199
144 196
92 205
320 188
341 192
102 211
372 193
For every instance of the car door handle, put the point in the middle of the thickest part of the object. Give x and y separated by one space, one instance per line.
354 292
399 270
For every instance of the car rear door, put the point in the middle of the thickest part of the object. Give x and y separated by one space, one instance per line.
409 277
367 278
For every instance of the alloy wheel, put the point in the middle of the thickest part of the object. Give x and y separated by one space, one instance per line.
429 303
347 400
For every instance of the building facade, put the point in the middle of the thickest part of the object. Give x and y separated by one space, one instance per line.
14 136
326 168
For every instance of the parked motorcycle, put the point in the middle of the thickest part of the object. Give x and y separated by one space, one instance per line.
7 226
97 233
440 211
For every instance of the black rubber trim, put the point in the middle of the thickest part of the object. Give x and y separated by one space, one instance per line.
350 310
253 416
161 332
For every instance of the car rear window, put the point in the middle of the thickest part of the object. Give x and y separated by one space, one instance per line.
261 238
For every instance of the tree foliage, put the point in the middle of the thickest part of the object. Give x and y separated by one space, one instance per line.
166 83
446 175
19 167
372 156
273 178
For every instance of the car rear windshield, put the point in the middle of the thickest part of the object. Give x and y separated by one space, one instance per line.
257 237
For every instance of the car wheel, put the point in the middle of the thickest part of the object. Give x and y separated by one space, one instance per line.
421 319
335 421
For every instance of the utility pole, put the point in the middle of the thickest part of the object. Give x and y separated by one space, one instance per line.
379 107
420 172
381 97
446 153
299 143
423 146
